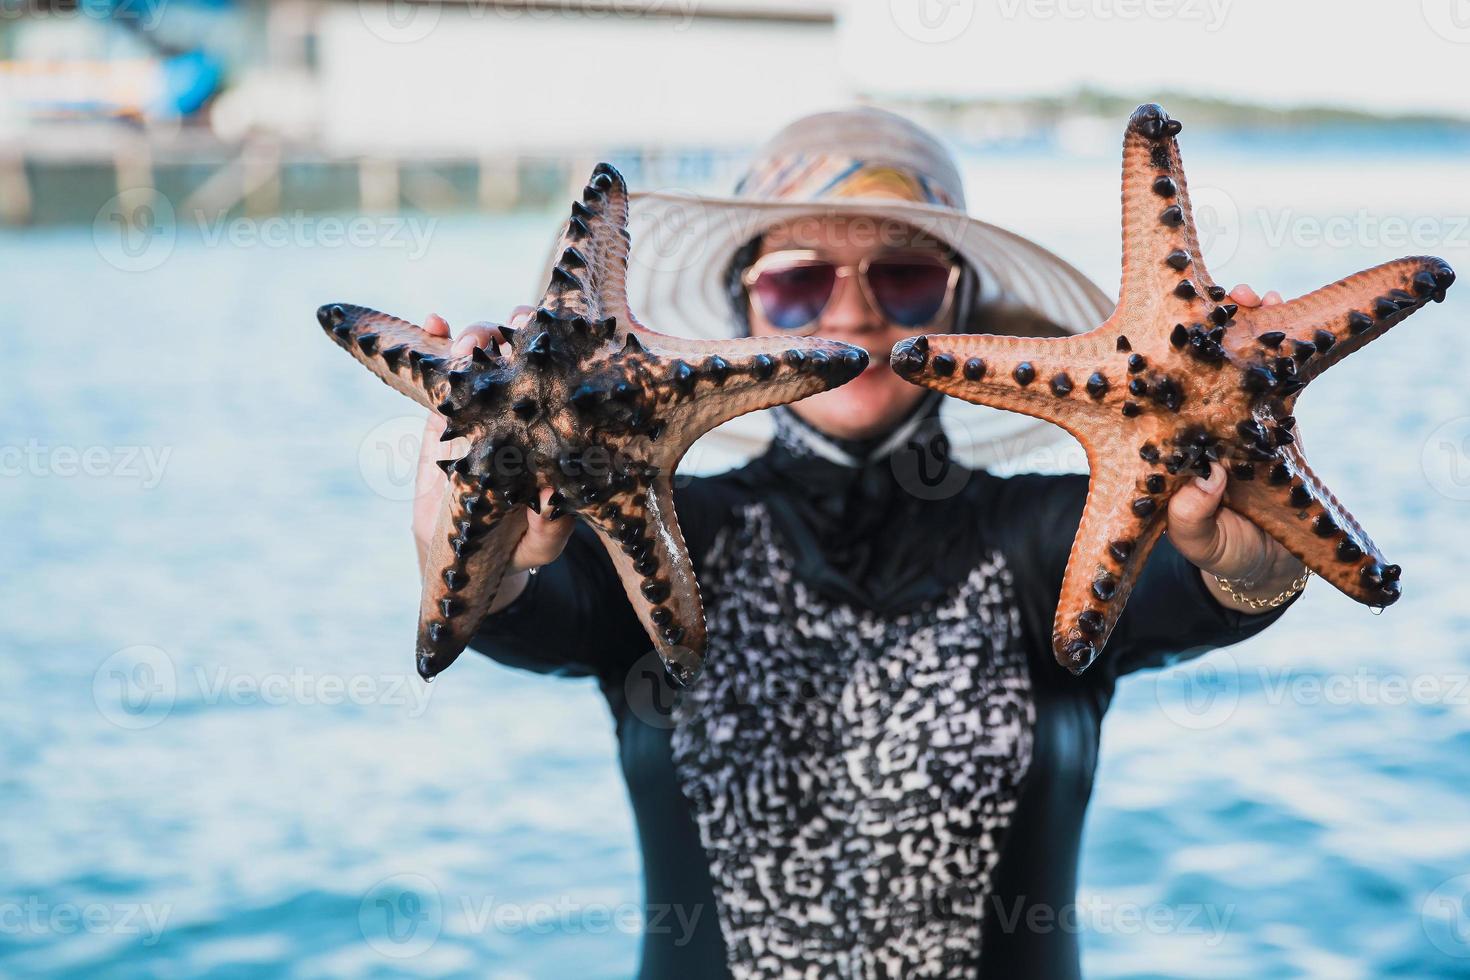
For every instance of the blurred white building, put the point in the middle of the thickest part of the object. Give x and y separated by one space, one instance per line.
570 75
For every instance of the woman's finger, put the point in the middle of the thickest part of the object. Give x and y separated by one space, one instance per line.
475 335
1193 527
1271 298
1245 296
545 538
436 325
482 333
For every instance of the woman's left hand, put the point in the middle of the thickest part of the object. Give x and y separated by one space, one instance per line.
1221 542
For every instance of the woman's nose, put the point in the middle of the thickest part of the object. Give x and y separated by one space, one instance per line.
849 309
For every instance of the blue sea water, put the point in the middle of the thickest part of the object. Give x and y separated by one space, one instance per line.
215 758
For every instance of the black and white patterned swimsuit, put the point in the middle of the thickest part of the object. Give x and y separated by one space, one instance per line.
881 772
851 773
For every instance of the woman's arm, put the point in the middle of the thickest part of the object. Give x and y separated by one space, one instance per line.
1176 613
573 616
1171 614
570 618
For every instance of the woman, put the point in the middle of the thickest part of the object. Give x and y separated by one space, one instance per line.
882 771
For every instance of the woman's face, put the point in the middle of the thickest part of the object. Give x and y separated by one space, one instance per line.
876 400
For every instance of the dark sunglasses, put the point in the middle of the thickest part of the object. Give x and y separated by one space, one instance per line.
792 287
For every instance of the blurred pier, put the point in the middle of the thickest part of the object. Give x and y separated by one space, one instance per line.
255 107
375 106
67 177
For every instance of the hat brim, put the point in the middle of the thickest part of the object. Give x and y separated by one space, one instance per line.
682 245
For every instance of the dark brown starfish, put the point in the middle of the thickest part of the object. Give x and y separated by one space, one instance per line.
590 404
1177 377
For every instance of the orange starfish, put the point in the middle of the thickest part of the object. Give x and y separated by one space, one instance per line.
1178 377
590 404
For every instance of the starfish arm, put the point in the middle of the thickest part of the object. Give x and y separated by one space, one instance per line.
1125 512
1037 376
589 277
1179 377
1324 326
1293 506
590 405
406 357
641 534
743 348
701 384
1163 268
474 538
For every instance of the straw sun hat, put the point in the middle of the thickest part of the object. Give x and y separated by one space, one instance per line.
859 163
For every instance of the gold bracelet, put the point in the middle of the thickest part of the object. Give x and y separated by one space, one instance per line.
1229 588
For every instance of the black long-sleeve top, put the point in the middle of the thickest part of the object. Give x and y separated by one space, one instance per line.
882 771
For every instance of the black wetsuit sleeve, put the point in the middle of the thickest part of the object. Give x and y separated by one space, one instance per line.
1170 615
573 617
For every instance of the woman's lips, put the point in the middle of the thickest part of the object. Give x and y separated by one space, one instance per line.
878 361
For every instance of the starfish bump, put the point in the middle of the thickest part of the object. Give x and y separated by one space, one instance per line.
590 404
1176 378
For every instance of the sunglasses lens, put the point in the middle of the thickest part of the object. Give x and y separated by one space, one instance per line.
794 296
910 292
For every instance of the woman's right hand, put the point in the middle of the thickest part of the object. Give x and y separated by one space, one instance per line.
544 538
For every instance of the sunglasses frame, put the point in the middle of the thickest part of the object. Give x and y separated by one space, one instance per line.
794 257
